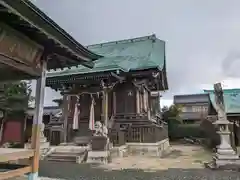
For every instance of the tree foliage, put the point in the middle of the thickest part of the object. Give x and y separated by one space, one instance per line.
172 112
15 96
14 99
58 101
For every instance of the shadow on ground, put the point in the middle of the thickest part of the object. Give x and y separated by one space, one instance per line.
74 171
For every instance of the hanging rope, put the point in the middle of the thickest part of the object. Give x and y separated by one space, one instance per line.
93 100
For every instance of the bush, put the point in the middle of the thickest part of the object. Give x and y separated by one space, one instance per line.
179 131
210 132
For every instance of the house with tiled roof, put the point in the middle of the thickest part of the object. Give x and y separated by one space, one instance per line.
194 107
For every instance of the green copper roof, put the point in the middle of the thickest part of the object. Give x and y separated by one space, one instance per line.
126 55
231 99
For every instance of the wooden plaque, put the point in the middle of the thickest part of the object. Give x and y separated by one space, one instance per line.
19 47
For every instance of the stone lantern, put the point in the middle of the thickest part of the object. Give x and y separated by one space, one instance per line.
225 154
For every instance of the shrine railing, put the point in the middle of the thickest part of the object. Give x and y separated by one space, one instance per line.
147 134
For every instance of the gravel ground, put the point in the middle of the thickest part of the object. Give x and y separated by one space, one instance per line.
179 156
71 171
183 163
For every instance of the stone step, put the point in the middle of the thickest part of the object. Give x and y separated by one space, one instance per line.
66 157
61 160
70 149
102 157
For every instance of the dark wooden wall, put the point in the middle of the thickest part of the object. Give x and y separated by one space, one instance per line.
125 103
125 107
125 98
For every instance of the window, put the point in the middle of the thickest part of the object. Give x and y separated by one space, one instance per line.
184 109
200 109
196 109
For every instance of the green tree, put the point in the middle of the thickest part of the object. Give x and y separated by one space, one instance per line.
58 101
172 112
14 100
171 115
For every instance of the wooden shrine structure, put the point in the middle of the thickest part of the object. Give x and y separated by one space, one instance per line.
122 85
30 44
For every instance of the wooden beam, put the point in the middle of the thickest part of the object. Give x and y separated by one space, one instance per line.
89 64
77 91
139 83
18 65
15 173
121 79
31 17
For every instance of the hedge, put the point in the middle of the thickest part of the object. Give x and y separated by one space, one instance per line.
177 130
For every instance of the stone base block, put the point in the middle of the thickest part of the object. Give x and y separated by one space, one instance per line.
227 164
226 156
100 157
43 145
71 149
149 149
82 157
44 148
121 151
33 176
224 160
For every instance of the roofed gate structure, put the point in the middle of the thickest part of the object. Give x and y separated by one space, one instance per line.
120 88
30 44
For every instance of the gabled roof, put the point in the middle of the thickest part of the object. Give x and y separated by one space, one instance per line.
26 18
191 98
126 55
231 100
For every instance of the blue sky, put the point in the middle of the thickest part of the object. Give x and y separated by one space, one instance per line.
202 37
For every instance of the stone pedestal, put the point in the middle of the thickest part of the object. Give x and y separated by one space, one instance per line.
225 154
100 146
44 145
99 152
100 157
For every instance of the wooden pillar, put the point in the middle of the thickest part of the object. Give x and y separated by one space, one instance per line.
65 116
105 105
145 99
137 101
37 122
114 103
238 132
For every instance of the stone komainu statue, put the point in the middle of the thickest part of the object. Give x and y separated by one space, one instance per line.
100 137
100 129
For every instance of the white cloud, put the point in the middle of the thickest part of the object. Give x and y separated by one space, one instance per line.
50 95
165 102
202 36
